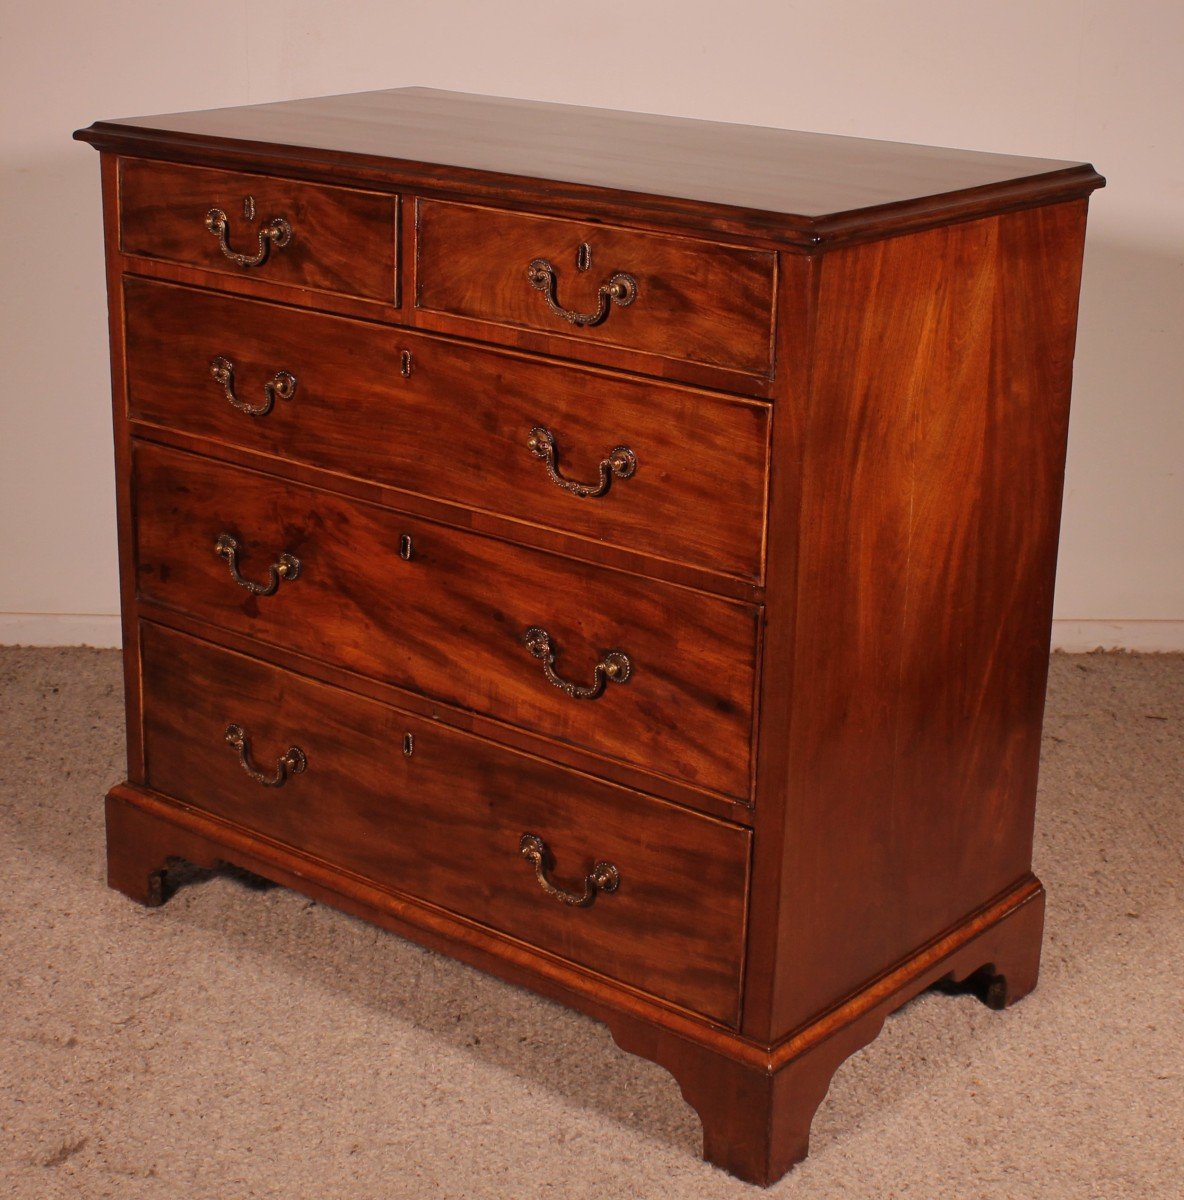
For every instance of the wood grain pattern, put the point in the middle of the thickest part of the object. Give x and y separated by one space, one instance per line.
798 311
528 341
695 300
444 823
901 468
343 240
757 1116
559 541
438 624
938 410
515 737
804 189
124 498
755 1101
457 427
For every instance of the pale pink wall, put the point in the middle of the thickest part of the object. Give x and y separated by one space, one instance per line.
1056 78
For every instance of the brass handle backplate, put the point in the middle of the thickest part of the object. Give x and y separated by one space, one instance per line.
614 667
621 289
291 762
603 877
620 464
285 567
276 232
283 385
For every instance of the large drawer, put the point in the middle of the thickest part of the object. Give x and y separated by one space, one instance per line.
456 422
678 297
674 667
283 231
445 822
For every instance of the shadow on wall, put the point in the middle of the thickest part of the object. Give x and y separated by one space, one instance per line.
1122 540
57 503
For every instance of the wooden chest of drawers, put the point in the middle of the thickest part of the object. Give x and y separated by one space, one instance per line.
613 550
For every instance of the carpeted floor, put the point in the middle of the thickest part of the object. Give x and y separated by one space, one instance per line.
250 1043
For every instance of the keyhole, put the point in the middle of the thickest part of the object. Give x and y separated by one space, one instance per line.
408 744
583 257
405 547
405 363
249 207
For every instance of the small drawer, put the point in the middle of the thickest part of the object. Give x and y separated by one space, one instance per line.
279 231
642 672
600 284
685 474
442 816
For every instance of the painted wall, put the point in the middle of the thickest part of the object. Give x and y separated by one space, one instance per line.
1078 79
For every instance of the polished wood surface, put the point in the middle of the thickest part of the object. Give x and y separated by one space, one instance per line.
835 593
516 737
450 622
756 1102
994 954
342 240
938 409
457 424
806 188
694 300
534 342
443 824
124 499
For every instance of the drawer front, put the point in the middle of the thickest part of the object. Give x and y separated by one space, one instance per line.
337 240
458 426
683 299
451 620
445 823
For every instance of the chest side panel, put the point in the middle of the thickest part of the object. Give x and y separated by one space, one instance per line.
930 491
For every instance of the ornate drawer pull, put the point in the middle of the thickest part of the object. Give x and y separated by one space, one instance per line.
286 567
614 667
604 877
277 232
282 385
292 762
620 464
621 289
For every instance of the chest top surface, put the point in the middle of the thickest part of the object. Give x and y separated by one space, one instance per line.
775 180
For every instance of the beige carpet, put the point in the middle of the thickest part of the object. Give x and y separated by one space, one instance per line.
249 1043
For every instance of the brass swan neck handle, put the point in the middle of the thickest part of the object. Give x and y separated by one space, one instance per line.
281 385
619 289
276 232
620 463
291 762
614 667
285 567
604 877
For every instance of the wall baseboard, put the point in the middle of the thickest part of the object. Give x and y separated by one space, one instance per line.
1072 637
60 629
1148 637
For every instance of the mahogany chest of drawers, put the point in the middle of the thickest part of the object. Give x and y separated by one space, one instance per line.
616 551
